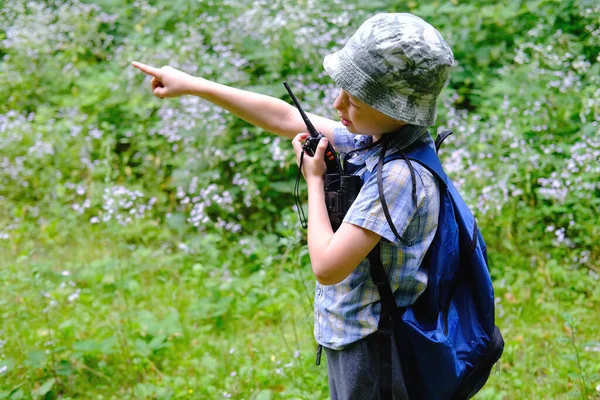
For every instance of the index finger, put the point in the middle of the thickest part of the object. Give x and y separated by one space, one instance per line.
299 137
147 69
296 142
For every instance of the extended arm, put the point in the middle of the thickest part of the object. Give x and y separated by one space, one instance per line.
266 112
269 113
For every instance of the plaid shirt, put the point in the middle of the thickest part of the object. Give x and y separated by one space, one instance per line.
349 310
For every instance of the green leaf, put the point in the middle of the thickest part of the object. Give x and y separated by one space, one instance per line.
17 394
270 240
177 221
86 346
209 308
171 323
142 347
158 342
45 388
106 346
264 395
283 187
65 368
210 363
36 358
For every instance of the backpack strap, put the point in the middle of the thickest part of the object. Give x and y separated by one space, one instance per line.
390 317
391 314
429 159
386 211
440 139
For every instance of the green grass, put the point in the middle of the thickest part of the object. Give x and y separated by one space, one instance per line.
149 324
154 322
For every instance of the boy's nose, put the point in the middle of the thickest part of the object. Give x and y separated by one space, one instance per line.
338 103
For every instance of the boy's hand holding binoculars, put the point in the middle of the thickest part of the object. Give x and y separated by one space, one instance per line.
166 81
312 167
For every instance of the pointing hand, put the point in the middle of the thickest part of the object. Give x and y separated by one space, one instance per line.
166 81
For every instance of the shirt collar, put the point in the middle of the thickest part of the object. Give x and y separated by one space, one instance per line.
406 136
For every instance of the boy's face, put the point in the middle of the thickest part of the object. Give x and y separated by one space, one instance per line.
362 119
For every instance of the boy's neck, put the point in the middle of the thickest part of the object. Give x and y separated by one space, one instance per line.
407 134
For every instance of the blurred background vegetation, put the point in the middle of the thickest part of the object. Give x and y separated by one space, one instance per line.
149 248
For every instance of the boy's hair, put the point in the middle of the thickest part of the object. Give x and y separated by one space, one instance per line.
396 63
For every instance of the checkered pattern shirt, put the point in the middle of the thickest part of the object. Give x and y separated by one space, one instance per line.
349 310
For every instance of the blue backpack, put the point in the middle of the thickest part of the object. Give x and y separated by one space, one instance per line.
446 342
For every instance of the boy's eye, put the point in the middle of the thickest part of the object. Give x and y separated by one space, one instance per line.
351 102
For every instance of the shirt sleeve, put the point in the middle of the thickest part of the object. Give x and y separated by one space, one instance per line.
343 141
367 211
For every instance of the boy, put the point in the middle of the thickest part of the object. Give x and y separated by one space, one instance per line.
390 73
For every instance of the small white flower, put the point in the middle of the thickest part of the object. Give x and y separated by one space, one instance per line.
65 273
595 348
183 246
233 373
74 296
3 369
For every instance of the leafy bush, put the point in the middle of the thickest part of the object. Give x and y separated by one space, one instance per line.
153 250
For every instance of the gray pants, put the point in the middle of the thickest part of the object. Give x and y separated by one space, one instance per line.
354 371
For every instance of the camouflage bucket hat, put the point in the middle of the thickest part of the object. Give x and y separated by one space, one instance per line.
395 63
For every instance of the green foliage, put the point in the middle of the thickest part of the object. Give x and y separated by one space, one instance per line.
151 249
